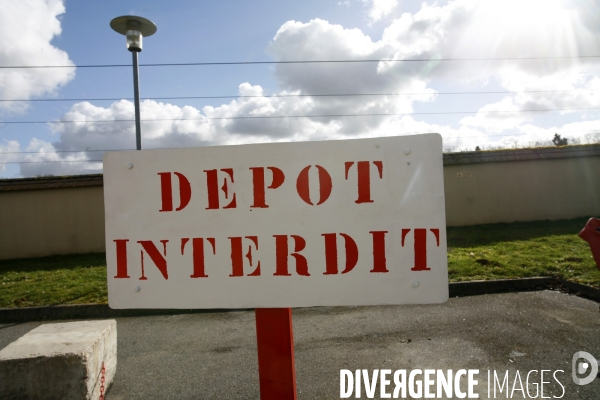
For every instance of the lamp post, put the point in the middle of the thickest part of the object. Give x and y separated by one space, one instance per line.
134 28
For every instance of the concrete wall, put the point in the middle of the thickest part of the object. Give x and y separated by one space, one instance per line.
522 190
61 215
40 222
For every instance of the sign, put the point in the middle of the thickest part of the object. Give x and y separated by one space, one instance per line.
332 223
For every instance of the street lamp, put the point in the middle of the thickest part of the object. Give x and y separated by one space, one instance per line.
134 28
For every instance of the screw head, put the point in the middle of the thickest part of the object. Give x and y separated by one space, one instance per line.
137 288
407 151
130 165
415 283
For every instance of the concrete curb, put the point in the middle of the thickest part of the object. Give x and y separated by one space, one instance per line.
580 290
457 289
89 311
474 288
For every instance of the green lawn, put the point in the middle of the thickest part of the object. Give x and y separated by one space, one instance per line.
518 250
71 279
496 251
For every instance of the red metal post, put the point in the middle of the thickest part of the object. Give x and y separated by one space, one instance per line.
591 234
275 339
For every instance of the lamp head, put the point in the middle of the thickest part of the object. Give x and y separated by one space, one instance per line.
134 28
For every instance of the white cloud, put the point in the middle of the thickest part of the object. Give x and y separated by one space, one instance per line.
9 146
243 120
202 131
295 40
486 29
497 117
26 30
456 29
380 8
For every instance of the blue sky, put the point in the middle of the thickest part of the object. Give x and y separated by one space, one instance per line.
55 32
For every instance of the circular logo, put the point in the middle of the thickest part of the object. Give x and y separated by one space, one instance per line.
589 366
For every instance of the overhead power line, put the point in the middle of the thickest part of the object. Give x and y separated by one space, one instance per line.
158 148
95 161
49 162
301 116
303 95
62 151
300 62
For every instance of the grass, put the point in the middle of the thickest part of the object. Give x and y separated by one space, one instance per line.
482 252
70 279
520 250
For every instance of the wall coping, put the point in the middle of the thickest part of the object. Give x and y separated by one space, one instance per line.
467 157
51 182
539 153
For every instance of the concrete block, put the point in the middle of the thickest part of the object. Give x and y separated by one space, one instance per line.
60 361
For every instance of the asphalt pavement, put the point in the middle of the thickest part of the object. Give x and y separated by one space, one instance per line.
213 355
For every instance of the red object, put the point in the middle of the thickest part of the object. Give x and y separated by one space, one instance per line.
275 339
102 380
591 234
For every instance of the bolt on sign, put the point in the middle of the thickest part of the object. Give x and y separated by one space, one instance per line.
349 222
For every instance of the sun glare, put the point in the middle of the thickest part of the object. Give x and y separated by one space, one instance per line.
520 28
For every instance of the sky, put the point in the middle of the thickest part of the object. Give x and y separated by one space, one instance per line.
486 73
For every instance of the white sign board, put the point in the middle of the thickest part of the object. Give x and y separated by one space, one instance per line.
349 222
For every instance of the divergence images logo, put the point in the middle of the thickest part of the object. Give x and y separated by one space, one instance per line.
584 366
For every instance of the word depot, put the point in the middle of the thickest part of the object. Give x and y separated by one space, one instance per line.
216 191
